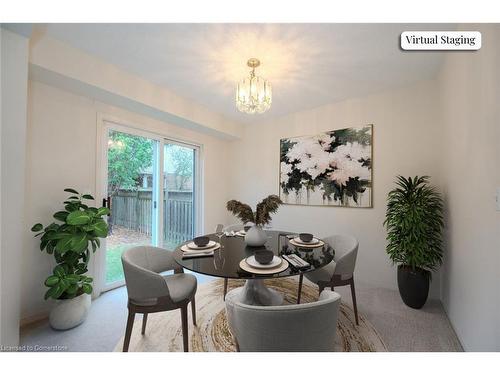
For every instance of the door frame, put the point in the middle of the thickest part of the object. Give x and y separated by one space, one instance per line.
106 122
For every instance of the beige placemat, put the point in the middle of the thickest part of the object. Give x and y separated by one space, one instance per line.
186 249
298 244
263 271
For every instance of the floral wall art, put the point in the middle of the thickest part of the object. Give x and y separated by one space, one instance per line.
328 169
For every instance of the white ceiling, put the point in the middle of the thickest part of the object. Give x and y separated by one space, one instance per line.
308 64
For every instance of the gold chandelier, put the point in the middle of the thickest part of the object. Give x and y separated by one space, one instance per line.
253 94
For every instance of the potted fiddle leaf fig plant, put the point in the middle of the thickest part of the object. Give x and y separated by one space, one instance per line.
262 216
414 222
78 228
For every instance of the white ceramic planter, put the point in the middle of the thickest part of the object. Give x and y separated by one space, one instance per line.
69 313
255 236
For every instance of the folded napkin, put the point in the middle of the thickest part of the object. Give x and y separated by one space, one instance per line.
197 254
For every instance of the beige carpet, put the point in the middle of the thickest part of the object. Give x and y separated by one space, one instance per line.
163 332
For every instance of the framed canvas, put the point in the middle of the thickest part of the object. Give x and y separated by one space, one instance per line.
328 169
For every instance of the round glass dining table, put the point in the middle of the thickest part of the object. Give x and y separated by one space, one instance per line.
225 263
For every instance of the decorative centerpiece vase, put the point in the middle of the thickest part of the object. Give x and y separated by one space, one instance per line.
255 236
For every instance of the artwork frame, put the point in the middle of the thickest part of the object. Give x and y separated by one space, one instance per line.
318 170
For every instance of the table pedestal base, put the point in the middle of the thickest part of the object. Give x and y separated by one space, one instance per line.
254 292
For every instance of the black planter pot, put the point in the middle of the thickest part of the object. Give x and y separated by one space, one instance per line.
413 285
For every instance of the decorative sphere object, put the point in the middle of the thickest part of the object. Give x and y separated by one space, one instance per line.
255 236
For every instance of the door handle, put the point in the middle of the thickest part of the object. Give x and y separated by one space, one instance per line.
106 202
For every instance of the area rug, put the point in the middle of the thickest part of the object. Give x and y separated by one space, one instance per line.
212 334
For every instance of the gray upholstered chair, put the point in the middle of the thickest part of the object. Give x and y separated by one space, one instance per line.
150 292
287 328
340 271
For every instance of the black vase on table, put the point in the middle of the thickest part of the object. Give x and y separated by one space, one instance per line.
413 285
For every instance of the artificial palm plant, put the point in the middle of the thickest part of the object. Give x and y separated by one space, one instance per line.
414 222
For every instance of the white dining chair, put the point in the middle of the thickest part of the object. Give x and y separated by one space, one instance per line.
340 271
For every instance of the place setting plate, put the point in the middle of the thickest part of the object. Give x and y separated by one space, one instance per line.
276 266
252 262
240 233
315 242
192 247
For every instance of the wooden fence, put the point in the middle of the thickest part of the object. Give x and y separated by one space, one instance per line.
178 216
132 210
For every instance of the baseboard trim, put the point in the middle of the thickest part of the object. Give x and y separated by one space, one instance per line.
452 326
36 318
33 319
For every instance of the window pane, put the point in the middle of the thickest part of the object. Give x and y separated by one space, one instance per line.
130 186
178 198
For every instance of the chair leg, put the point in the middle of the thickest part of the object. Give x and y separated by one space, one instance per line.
225 288
144 321
321 287
185 338
353 294
128 330
301 278
193 310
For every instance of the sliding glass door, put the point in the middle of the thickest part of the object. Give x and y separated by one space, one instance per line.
178 193
151 188
131 189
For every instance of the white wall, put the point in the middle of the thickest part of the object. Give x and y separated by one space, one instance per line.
14 77
470 94
61 65
407 139
62 153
